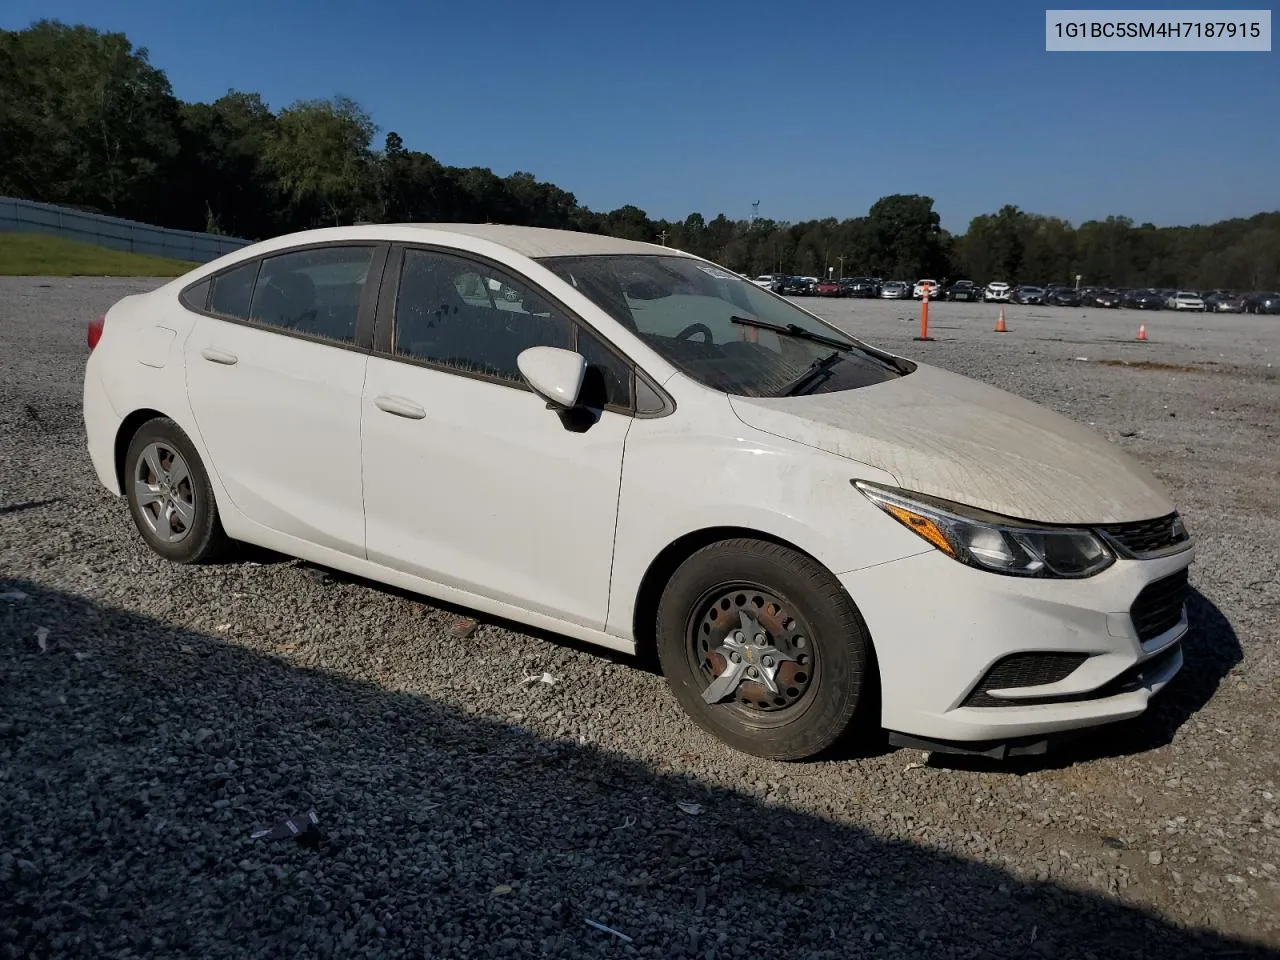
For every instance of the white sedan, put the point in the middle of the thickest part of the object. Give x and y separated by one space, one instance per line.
1187 300
931 286
633 446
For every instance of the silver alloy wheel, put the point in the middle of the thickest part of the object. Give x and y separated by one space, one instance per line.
164 492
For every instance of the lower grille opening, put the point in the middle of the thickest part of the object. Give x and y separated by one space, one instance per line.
1159 606
1022 670
1132 679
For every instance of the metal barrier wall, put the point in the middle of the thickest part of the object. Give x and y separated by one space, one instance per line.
31 217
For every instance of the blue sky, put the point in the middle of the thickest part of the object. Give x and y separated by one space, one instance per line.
814 109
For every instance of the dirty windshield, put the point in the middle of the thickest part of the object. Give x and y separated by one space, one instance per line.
721 330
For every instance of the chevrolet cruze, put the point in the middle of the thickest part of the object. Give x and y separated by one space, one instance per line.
633 446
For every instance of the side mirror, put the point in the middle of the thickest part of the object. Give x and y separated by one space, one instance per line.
554 374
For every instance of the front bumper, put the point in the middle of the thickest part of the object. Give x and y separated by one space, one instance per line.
939 626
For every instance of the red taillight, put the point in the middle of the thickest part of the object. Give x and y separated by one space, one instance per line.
95 330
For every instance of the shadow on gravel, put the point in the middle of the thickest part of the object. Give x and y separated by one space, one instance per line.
138 758
29 505
1210 650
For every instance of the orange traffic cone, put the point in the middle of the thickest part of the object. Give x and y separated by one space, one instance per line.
1000 327
1142 331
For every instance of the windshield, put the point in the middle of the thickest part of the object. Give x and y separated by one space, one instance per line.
701 319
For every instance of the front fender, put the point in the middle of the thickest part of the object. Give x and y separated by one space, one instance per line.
676 482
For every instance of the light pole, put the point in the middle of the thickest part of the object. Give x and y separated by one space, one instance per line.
841 259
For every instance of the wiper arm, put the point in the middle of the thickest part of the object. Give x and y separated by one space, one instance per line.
792 330
811 373
795 330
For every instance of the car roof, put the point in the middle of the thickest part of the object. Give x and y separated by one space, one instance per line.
532 242
545 242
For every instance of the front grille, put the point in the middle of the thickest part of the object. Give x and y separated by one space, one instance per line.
1147 537
1159 605
1022 670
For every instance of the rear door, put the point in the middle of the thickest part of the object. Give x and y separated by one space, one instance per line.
275 368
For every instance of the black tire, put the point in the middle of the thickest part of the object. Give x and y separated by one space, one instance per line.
837 651
203 539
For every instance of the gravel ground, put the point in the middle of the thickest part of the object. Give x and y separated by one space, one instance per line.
153 717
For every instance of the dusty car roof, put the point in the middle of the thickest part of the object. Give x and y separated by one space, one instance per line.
544 242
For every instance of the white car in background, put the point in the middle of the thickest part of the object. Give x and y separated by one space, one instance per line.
921 286
1187 300
997 292
645 451
765 280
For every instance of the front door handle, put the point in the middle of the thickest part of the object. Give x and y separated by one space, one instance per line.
400 407
219 356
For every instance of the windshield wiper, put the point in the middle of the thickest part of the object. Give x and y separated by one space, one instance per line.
792 330
811 373
795 330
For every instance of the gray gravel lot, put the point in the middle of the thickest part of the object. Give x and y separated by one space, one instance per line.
152 717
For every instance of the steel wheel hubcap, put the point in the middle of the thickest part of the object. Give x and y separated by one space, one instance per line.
164 492
751 650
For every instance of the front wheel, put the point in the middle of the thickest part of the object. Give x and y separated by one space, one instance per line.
763 648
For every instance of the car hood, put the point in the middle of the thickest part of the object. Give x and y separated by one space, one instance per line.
948 436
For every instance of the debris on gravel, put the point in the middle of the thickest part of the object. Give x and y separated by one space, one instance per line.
459 811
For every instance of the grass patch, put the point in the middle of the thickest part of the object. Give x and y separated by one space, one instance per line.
41 255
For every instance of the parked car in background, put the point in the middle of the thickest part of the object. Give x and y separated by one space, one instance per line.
1223 301
766 280
864 287
1063 297
895 290
1188 300
997 292
1110 299
922 285
1144 300
837 554
964 290
829 288
1266 302
1028 293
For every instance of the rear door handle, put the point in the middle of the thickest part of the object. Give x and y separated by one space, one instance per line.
400 407
219 356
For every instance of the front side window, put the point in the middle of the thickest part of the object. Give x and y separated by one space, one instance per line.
723 331
316 292
472 317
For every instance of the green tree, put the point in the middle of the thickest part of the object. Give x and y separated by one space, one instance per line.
906 237
85 120
320 155
222 169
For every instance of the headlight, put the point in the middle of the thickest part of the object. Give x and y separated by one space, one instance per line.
993 543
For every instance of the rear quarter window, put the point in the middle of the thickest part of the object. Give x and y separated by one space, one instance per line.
197 297
233 291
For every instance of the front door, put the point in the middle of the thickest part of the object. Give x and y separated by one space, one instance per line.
469 480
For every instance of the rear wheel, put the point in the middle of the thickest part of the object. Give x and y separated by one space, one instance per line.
763 648
169 495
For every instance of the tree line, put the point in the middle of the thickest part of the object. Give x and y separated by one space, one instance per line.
87 121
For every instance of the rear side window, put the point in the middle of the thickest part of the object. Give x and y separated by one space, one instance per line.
315 292
233 290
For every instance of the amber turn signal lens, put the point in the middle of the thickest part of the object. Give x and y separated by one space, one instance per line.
921 525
